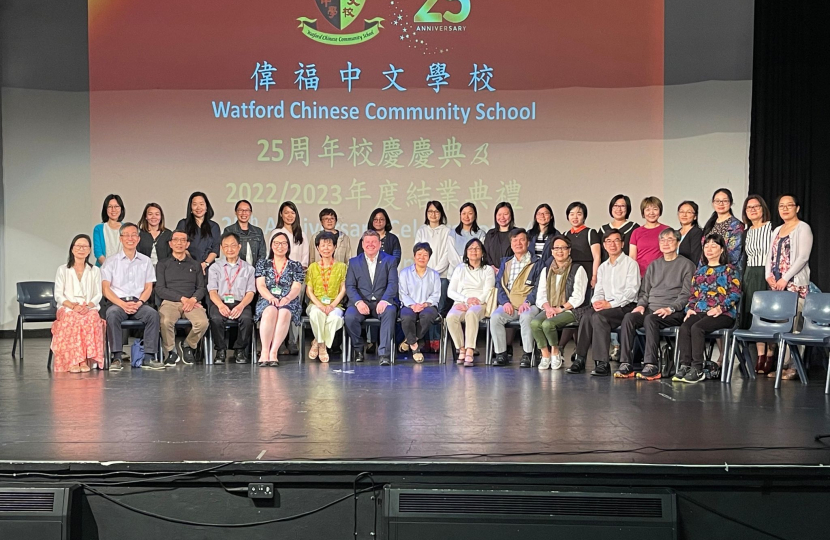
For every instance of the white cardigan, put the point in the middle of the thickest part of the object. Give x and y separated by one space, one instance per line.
801 244
299 252
444 257
88 289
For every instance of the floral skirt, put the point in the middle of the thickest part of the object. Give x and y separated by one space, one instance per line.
76 338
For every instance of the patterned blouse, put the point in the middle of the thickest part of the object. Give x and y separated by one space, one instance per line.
715 286
293 272
781 264
732 231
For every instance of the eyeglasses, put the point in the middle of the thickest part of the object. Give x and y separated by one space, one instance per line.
82 247
786 206
433 212
620 207
721 201
753 207
614 241
113 207
230 246
244 211
129 236
474 248
560 249
668 240
281 244
178 240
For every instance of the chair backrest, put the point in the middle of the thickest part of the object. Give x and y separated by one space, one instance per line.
773 311
36 297
816 313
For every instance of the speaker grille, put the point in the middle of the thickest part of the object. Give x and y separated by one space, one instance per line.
534 505
21 501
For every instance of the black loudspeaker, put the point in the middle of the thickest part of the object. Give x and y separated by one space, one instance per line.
35 513
466 514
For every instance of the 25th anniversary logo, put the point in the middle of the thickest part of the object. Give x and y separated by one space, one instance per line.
340 14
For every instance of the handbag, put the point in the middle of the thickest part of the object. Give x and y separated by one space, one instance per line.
137 353
492 303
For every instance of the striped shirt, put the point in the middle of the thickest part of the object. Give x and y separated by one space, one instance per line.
757 244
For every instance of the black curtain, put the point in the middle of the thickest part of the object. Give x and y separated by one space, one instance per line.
789 148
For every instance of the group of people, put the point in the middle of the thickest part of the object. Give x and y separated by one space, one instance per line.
583 283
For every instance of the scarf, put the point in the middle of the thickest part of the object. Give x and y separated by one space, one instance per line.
557 293
577 230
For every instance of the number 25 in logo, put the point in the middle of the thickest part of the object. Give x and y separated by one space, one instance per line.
425 16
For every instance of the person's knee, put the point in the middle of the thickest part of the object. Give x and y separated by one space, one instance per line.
536 324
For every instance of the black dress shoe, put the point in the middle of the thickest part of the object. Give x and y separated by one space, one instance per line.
500 359
241 356
525 360
219 358
358 355
385 361
370 348
577 365
602 369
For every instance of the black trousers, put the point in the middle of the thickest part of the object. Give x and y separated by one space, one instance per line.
692 338
652 324
416 325
217 327
595 331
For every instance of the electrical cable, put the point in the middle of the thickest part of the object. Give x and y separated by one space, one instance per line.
178 521
357 479
728 518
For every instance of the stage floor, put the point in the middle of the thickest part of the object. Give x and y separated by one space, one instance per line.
407 412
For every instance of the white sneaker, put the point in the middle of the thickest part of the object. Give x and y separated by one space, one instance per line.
544 363
557 362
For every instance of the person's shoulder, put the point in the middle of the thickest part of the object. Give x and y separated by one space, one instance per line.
340 266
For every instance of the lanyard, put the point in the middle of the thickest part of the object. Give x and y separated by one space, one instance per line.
278 275
325 275
232 281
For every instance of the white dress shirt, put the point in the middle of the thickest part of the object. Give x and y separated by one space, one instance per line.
83 291
240 275
577 295
372 264
126 277
469 282
617 283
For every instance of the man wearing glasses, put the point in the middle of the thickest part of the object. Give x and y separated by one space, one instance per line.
664 293
127 283
618 281
180 285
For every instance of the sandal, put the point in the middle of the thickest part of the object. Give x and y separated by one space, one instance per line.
313 351
403 347
789 374
468 360
273 363
75 369
324 354
418 356
85 368
461 357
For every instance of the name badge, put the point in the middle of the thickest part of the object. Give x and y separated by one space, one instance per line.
374 299
276 291
228 299
528 282
325 300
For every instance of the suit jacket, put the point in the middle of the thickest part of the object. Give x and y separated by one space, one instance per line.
360 287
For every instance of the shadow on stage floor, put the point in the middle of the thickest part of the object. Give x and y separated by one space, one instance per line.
407 412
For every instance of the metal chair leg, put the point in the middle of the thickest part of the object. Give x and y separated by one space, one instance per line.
21 338
799 364
16 335
827 384
780 367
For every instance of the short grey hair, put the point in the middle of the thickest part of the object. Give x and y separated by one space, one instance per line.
126 225
668 231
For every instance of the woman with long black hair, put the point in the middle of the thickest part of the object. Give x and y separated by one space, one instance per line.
202 232
289 222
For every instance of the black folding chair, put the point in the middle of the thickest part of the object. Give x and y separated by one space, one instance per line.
36 304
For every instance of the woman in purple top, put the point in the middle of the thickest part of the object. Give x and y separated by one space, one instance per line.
713 305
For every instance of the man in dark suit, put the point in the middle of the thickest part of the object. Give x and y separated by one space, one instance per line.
372 286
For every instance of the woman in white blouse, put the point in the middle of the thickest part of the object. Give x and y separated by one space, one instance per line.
470 286
78 333
444 258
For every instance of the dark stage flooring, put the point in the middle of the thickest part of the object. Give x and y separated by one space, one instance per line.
407 412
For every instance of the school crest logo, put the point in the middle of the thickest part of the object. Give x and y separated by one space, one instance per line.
340 14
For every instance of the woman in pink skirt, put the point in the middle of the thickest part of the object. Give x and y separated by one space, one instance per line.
78 334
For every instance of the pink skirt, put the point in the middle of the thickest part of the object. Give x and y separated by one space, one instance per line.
76 338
